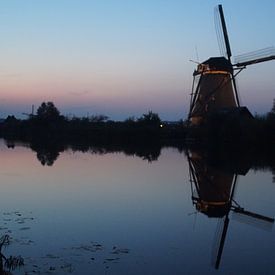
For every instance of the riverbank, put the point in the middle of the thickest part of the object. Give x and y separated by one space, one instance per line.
48 125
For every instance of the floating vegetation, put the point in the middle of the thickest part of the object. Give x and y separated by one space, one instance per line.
120 250
12 262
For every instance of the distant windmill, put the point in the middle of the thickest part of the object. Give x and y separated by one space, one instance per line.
214 84
31 114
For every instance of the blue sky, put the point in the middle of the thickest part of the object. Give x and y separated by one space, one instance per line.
122 57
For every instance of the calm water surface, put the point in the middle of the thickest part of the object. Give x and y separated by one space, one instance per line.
116 214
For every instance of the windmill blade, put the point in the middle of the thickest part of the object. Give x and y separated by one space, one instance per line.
255 57
221 231
219 241
222 34
219 32
254 219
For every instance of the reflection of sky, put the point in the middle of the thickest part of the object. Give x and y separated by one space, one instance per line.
119 200
122 58
111 199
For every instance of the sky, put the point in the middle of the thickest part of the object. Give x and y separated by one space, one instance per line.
123 58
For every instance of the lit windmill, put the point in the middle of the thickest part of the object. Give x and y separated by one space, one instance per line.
214 85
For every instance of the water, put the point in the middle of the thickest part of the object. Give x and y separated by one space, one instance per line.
113 213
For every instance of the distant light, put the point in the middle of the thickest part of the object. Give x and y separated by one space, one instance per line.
161 125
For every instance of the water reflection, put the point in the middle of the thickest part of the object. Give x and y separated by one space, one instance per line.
48 151
213 186
47 155
107 199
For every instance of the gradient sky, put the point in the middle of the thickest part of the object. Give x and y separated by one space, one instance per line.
125 57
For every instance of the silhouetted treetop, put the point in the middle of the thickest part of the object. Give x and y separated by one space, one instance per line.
273 107
47 111
271 114
98 118
150 118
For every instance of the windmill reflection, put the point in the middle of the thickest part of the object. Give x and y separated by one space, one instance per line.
213 189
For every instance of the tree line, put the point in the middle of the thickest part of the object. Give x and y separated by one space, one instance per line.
48 123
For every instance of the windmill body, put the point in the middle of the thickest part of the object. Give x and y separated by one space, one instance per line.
214 89
211 187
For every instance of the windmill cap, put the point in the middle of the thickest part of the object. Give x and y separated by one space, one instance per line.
218 64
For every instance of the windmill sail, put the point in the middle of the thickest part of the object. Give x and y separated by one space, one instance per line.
222 34
255 57
219 32
254 219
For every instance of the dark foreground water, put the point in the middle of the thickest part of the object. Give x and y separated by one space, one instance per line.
113 213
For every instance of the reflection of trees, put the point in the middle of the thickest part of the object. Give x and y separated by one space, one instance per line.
227 158
273 174
150 154
47 157
146 152
47 152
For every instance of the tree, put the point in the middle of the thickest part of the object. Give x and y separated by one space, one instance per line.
150 119
130 120
47 111
271 114
98 118
273 107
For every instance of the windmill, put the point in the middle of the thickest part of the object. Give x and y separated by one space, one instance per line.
214 86
213 189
